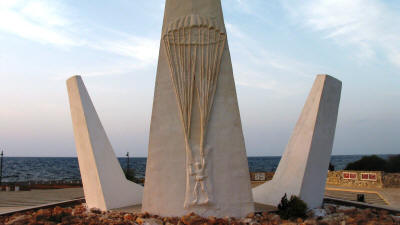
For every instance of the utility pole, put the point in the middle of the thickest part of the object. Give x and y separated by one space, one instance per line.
127 163
1 166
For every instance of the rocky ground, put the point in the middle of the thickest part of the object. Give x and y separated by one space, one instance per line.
329 215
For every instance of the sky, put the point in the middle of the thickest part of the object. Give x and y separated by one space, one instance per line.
277 49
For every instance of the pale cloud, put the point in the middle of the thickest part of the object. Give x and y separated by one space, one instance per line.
114 67
370 26
266 84
34 20
117 69
394 57
140 53
263 57
245 7
259 10
44 13
144 50
47 22
260 68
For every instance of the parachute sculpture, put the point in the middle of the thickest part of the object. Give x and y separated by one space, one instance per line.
194 47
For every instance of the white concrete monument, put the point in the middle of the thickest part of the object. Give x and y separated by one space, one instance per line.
197 159
303 168
104 182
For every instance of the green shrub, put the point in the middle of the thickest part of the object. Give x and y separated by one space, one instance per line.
130 175
393 164
368 163
293 208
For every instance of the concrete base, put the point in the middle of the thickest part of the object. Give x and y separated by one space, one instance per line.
104 182
303 168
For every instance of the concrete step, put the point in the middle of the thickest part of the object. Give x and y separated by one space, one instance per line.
370 198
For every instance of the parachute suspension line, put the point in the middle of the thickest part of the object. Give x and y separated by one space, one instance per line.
187 78
211 81
182 85
213 43
215 52
184 78
189 74
181 76
205 81
200 79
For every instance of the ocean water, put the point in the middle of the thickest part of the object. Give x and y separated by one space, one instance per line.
20 169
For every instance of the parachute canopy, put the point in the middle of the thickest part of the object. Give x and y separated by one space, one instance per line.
194 46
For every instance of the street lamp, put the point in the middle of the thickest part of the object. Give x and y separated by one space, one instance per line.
127 163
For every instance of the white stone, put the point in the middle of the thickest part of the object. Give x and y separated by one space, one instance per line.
303 168
318 212
344 208
396 218
179 178
151 221
104 182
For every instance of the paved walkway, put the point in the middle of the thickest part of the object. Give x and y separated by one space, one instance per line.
391 196
17 200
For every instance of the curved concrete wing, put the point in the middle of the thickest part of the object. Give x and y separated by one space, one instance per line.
303 168
104 182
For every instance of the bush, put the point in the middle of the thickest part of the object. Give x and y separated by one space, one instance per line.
368 163
293 208
130 175
331 167
393 164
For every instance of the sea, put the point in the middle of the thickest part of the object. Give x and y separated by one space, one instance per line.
23 169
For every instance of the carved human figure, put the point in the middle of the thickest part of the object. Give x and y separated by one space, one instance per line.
198 170
199 176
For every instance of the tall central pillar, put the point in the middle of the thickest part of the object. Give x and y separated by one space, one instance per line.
197 158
